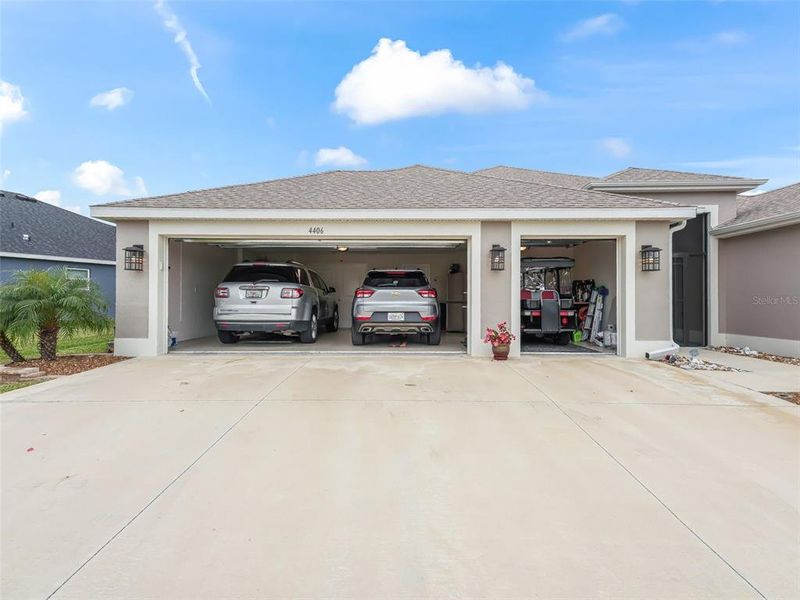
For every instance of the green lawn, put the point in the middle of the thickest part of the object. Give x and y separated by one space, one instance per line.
89 343
10 387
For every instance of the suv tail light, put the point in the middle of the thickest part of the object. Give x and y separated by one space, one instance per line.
221 292
429 293
291 293
362 293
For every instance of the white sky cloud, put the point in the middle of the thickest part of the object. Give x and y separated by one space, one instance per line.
616 147
112 98
5 175
171 22
50 196
396 83
54 197
12 103
101 178
607 24
338 157
730 37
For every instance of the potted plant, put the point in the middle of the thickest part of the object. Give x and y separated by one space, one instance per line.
500 339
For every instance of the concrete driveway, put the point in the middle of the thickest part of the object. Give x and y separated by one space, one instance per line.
188 477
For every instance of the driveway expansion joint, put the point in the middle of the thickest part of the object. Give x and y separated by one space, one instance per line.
152 501
641 483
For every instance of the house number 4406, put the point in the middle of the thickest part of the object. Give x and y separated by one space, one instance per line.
318 230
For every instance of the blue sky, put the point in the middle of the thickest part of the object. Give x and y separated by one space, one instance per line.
291 88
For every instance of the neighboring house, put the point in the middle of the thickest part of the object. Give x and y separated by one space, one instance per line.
343 221
37 235
759 272
730 284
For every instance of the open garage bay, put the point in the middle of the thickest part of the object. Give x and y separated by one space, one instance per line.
198 265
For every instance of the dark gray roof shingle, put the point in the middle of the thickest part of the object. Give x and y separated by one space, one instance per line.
53 231
535 176
416 187
784 201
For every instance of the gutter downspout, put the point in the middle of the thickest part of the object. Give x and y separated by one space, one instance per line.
662 352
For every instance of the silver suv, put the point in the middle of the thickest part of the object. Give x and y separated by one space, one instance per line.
285 298
395 302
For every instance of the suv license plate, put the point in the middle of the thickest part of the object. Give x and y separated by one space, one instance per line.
396 316
252 293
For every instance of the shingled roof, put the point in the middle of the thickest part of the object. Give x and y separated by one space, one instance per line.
415 187
636 174
536 176
52 231
776 205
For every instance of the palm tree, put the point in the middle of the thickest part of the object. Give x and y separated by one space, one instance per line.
6 328
46 303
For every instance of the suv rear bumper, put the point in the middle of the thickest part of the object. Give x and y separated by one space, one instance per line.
265 326
395 327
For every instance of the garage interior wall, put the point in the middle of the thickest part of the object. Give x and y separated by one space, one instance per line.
132 288
594 259
345 271
195 270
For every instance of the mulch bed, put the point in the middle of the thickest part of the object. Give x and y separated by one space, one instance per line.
695 364
793 397
71 364
789 360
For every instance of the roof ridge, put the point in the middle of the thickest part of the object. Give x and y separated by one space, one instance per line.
620 172
27 198
478 171
586 190
288 178
676 172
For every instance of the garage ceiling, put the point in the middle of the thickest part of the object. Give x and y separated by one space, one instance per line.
327 244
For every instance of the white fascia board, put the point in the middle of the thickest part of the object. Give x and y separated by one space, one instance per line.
676 186
491 214
72 259
756 226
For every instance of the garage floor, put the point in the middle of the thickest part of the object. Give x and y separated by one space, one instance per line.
339 341
183 477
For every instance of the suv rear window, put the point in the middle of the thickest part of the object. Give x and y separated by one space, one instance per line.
396 279
271 273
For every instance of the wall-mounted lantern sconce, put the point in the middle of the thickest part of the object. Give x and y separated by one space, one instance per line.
134 257
498 257
651 258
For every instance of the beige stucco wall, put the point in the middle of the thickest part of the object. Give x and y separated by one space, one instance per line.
132 286
726 201
495 285
760 279
194 271
653 308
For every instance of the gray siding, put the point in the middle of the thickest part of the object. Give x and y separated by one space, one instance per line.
103 275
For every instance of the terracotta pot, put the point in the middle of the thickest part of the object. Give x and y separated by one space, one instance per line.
500 352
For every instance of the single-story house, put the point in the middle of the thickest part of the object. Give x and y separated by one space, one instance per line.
38 235
759 272
644 235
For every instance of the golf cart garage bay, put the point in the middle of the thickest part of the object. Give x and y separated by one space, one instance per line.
470 233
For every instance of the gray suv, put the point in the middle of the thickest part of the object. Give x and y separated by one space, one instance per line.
396 302
285 298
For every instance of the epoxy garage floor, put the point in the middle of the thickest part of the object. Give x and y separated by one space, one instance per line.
397 477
